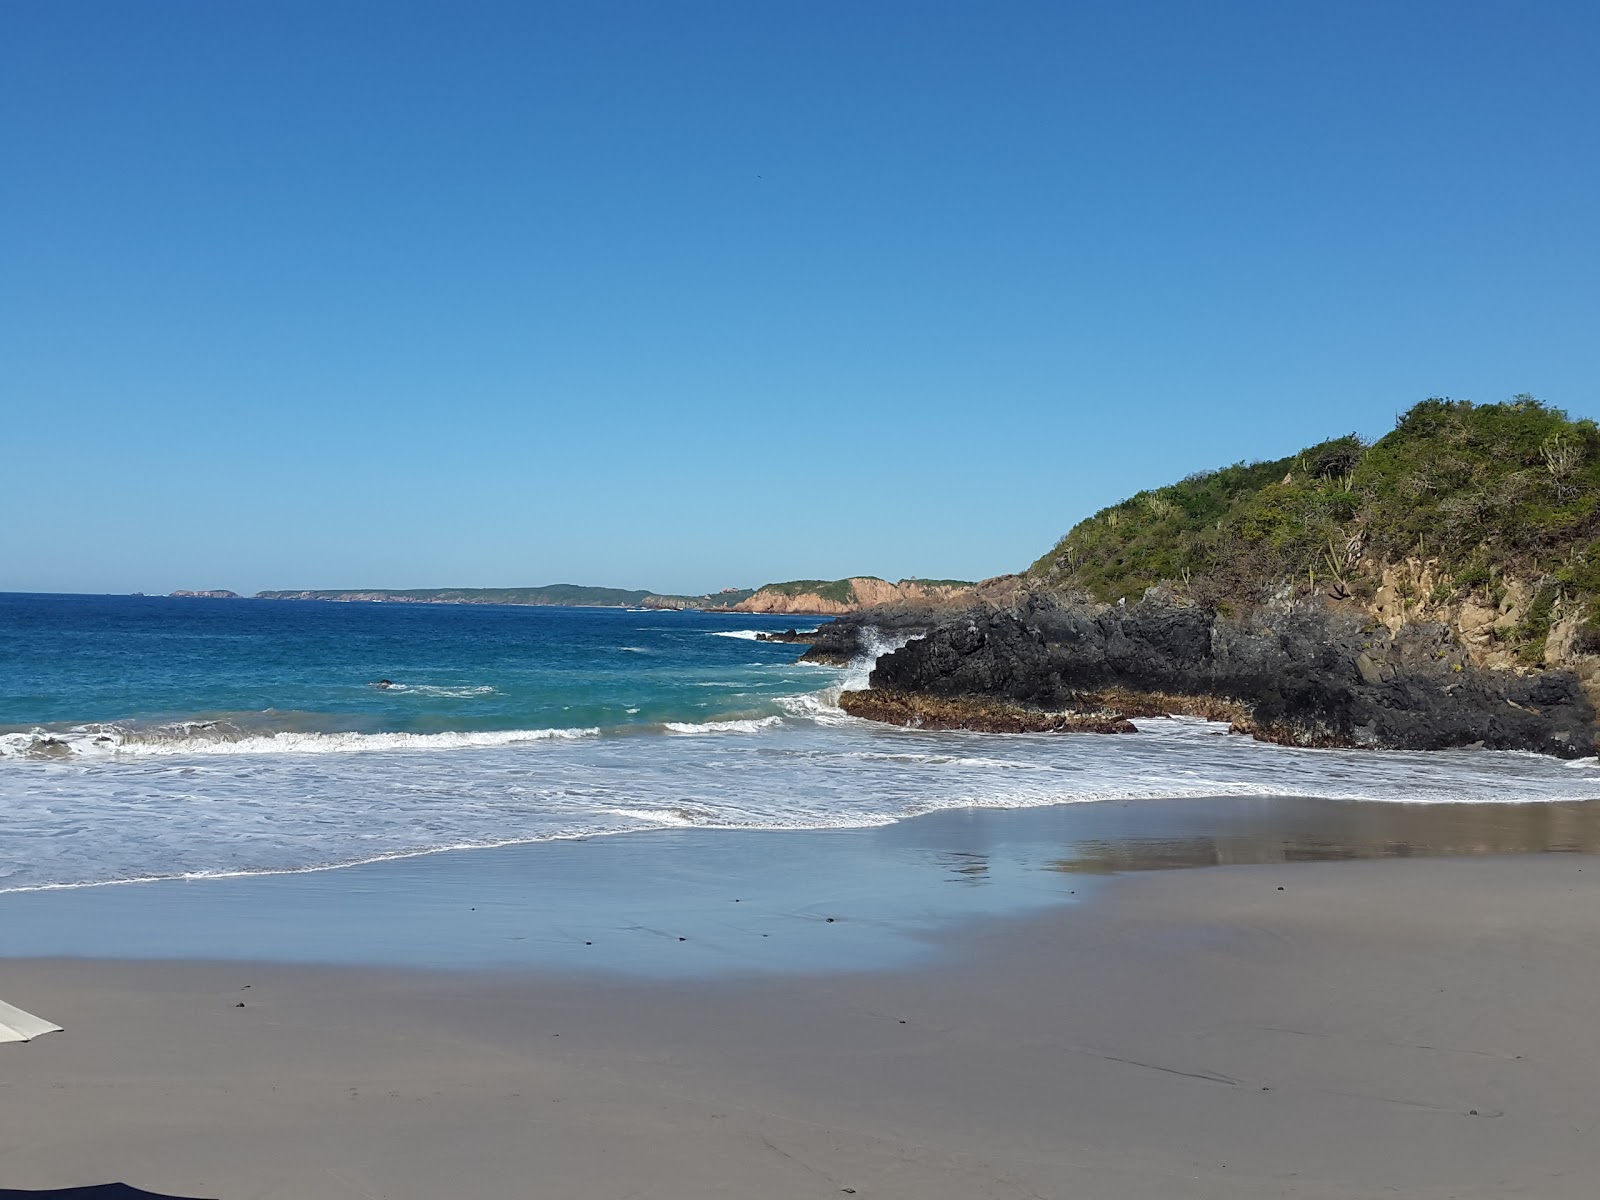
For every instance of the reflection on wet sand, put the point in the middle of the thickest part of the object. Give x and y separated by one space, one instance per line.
965 866
689 902
1301 830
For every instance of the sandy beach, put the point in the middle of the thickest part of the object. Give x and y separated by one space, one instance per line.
732 601
1334 1029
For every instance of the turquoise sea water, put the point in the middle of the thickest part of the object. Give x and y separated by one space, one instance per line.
265 666
145 738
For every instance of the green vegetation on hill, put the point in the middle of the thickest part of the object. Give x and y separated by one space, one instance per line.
839 590
723 599
843 591
1488 490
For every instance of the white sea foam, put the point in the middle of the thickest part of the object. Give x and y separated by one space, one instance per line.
208 798
211 738
744 635
821 708
683 816
432 691
875 646
292 802
750 725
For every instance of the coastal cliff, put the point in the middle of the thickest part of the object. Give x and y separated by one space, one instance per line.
814 597
1440 587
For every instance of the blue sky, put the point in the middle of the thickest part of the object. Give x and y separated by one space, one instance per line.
690 295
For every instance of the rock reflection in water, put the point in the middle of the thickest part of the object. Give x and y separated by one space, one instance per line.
966 867
1300 830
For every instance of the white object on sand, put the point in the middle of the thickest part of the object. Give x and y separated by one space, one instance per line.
18 1026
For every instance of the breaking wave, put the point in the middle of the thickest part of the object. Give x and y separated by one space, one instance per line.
190 808
749 725
215 737
432 691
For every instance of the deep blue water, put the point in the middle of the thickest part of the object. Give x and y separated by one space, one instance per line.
310 665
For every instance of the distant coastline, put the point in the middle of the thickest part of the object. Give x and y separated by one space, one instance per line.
807 597
565 594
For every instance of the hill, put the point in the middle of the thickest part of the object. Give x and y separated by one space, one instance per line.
838 596
1459 498
1439 587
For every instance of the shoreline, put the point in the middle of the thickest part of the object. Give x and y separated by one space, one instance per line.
1138 862
1320 1030
693 901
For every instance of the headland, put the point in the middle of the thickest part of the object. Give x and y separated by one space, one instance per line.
1437 588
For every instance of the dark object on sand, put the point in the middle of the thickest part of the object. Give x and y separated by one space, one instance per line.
103 1191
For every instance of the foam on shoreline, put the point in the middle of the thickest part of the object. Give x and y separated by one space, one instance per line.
216 737
311 801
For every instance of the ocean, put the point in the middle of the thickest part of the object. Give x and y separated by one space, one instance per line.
147 738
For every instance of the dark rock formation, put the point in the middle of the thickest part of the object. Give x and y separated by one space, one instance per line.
841 641
988 716
1305 673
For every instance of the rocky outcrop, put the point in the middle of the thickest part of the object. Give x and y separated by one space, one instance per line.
684 604
1438 587
989 716
849 637
1301 671
846 639
1517 624
213 594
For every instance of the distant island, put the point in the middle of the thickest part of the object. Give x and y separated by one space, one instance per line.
806 597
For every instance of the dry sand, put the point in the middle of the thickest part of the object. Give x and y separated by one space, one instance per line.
1381 1028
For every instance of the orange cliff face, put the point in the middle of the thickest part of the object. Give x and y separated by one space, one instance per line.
862 592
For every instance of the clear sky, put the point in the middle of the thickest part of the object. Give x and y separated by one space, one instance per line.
684 295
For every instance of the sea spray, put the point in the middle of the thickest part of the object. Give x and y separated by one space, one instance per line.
874 646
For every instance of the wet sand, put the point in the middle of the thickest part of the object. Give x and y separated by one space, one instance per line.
1308 1029
697 902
